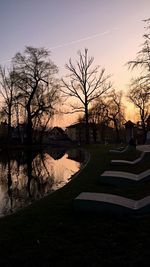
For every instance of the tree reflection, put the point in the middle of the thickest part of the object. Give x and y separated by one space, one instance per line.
29 175
29 171
9 183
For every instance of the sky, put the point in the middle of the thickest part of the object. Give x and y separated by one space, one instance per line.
112 30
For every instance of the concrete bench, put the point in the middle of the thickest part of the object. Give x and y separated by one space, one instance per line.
121 178
119 151
110 204
124 162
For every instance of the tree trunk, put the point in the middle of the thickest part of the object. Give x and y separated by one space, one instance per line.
144 132
29 127
117 132
29 171
86 124
143 127
9 123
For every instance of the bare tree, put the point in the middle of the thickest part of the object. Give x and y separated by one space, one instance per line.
97 113
36 83
142 62
138 94
109 110
143 56
115 111
7 91
85 85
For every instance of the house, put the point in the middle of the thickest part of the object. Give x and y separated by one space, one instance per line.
77 132
97 133
55 136
57 133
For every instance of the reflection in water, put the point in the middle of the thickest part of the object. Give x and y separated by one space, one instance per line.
28 176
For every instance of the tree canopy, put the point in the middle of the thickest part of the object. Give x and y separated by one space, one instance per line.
85 84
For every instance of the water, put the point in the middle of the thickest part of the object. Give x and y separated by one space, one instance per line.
28 176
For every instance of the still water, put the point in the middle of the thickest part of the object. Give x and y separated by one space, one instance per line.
28 176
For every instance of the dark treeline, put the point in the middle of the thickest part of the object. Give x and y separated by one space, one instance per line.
30 91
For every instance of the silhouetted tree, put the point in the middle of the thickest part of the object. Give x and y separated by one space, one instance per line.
115 111
109 110
85 84
142 60
36 84
97 113
139 95
7 91
139 92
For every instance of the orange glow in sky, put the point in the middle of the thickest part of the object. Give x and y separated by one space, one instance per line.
111 30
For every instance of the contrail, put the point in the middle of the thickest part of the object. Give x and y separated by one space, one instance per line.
79 40
72 42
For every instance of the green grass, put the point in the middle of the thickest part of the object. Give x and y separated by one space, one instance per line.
50 233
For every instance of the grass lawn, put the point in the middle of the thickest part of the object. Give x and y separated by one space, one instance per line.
50 233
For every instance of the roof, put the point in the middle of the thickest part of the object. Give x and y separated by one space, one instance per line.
129 124
79 125
60 130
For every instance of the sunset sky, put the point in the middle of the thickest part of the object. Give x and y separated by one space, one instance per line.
111 29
